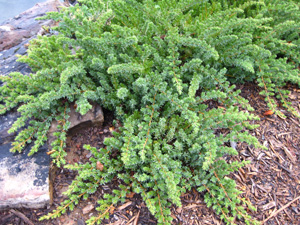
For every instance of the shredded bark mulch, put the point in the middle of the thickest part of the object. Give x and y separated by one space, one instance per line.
271 181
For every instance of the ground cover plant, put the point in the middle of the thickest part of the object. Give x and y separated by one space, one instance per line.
157 64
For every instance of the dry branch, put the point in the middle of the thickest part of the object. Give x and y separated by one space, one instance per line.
279 210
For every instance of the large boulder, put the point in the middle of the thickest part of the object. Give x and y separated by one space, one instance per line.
24 180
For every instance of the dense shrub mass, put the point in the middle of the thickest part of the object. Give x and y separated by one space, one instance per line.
157 64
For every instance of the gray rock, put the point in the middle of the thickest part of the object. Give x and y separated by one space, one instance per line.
16 33
24 26
5 123
8 59
24 179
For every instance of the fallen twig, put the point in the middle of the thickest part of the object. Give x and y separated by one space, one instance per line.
22 216
5 219
282 167
129 222
279 210
136 218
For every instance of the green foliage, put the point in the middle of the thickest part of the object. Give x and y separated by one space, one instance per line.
157 64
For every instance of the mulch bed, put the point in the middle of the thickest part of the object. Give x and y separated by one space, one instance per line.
271 181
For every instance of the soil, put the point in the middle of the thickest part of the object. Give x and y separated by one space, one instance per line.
271 181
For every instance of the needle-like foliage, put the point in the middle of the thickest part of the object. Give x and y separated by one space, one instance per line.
157 64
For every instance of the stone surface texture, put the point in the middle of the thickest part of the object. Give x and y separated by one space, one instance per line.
8 59
24 180
5 123
16 33
24 26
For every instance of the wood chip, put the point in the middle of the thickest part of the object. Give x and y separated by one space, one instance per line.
286 212
260 155
129 222
275 143
276 153
179 210
87 209
192 206
118 222
263 189
22 216
270 205
136 220
289 154
285 133
124 205
282 208
282 167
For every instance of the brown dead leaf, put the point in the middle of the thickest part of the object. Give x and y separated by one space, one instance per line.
99 166
130 195
268 113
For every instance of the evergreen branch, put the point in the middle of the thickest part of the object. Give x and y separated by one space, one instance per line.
119 53
225 214
101 215
3 110
21 144
221 185
292 110
148 132
59 210
161 210
150 205
61 144
266 90
177 104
